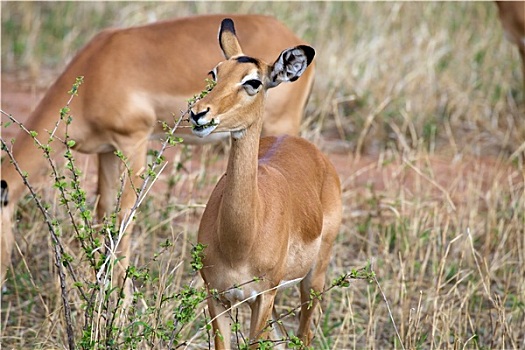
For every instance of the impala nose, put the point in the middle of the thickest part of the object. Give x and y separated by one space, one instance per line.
195 118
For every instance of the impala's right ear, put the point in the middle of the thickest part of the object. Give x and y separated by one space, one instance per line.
291 64
228 39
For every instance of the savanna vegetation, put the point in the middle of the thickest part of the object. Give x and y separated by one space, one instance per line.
420 107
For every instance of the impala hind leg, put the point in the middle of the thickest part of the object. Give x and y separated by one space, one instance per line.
315 279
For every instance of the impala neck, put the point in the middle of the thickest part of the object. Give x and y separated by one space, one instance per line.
238 216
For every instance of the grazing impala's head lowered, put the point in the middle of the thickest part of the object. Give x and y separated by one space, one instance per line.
241 84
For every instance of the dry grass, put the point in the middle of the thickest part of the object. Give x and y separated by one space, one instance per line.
421 109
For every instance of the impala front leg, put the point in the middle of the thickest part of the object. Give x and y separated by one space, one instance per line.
109 171
220 322
111 174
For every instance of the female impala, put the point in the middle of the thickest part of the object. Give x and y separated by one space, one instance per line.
134 77
277 210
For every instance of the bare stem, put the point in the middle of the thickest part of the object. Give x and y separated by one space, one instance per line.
57 247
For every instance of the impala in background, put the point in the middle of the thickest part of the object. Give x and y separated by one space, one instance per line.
134 78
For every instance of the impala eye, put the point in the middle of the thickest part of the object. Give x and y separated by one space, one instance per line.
252 86
253 83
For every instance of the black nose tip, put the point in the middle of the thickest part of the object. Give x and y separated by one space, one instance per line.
196 117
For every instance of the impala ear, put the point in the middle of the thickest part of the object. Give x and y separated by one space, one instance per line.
291 64
4 192
228 39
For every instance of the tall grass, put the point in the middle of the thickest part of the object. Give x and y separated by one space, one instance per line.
421 109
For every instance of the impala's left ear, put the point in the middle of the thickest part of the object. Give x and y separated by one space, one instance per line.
228 39
291 64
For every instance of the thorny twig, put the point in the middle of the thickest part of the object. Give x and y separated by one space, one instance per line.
57 246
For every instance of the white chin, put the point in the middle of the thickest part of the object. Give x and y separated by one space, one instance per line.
203 131
239 134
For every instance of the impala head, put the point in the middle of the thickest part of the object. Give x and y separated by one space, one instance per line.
236 101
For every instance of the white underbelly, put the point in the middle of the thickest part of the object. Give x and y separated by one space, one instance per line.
247 294
286 284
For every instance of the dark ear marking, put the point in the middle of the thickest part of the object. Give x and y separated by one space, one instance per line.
226 26
309 52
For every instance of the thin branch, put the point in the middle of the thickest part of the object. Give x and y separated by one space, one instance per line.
57 247
388 308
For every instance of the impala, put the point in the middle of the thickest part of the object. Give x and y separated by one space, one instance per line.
512 17
277 210
134 78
